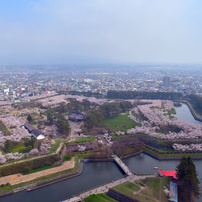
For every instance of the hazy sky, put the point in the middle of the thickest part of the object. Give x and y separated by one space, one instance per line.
43 31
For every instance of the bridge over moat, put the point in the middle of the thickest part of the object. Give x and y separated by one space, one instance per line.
104 188
122 165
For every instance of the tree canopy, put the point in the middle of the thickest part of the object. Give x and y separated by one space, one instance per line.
63 125
188 182
29 118
143 95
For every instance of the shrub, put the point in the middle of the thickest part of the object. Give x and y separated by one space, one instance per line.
28 166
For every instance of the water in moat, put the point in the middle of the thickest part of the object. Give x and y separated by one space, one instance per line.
98 173
183 113
95 174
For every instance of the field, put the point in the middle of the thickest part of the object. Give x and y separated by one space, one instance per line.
99 198
20 147
154 188
83 140
56 145
121 122
150 192
127 188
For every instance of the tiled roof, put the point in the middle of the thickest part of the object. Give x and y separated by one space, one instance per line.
36 132
29 127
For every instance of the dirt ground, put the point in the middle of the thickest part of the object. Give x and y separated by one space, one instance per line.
18 178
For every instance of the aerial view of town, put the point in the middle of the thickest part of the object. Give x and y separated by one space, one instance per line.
100 101
52 124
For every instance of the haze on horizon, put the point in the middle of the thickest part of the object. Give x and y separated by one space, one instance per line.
62 31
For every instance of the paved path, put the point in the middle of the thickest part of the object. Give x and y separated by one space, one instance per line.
106 187
122 165
133 117
74 126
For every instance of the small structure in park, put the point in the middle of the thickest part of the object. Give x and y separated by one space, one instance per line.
173 185
168 173
76 117
35 132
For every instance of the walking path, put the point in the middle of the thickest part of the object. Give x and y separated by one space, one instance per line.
122 165
106 187
19 178
133 117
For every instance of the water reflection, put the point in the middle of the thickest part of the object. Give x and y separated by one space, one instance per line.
95 174
183 113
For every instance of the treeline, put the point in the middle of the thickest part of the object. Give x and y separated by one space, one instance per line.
196 102
106 111
143 95
63 125
87 94
28 165
73 106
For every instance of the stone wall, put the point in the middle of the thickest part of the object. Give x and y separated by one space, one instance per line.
120 196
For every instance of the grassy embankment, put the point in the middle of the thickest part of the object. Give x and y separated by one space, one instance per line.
149 190
20 147
121 122
169 153
46 177
127 188
56 145
99 198
83 140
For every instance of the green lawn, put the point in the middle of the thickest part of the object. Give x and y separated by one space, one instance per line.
99 198
34 114
130 189
83 140
152 191
172 111
127 188
122 122
56 145
155 186
21 148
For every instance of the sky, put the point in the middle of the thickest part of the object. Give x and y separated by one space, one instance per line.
62 31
